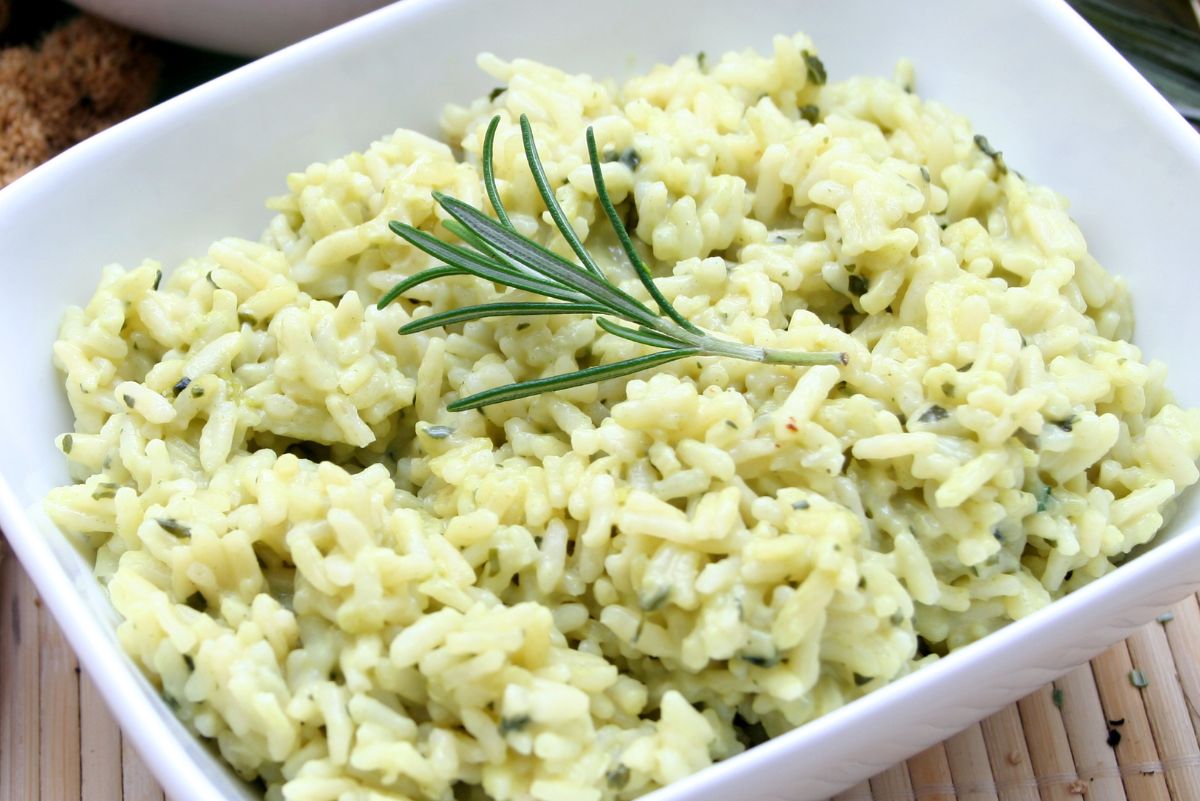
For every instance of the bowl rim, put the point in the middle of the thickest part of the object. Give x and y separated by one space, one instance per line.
123 690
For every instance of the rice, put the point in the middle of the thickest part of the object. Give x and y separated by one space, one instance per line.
589 594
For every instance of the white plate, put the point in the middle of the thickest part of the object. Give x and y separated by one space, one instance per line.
1067 111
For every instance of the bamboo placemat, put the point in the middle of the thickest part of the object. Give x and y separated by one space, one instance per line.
1090 736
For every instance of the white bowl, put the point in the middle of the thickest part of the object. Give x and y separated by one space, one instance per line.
230 26
1064 106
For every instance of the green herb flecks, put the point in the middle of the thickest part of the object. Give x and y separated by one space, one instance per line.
933 414
181 385
496 92
810 113
1043 497
655 600
1057 697
438 432
495 251
617 777
761 660
515 723
173 527
815 69
995 155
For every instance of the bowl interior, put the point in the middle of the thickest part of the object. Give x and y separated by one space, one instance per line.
199 167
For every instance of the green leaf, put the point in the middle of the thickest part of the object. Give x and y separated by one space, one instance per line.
489 175
479 265
431 274
550 265
614 219
468 313
556 212
588 375
644 336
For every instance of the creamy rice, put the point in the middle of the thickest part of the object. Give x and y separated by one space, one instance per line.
588 594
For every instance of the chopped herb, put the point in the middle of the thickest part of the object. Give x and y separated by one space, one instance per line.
618 777
1138 679
814 68
522 326
439 432
810 114
732 424
1114 738
995 155
1067 577
966 367
1043 497
749 734
499 90
702 60
1165 617
948 389
1065 425
1057 697
925 174
654 602
208 277
173 527
157 280
801 505
860 680
197 392
128 400
196 601
244 317
68 442
758 660
933 414
858 285
515 723
104 490
191 663
181 385
630 158
999 535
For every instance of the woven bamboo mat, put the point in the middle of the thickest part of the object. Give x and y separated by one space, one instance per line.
1090 736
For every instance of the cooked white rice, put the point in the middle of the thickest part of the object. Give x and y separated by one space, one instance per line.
589 594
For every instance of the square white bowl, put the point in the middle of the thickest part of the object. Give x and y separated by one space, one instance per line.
1065 108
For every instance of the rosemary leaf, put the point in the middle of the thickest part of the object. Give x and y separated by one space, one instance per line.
588 375
550 265
556 212
484 268
468 313
614 219
489 175
644 336
431 274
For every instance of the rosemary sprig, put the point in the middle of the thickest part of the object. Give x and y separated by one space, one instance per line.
495 251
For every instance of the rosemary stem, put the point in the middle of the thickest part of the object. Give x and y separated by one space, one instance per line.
800 357
753 353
